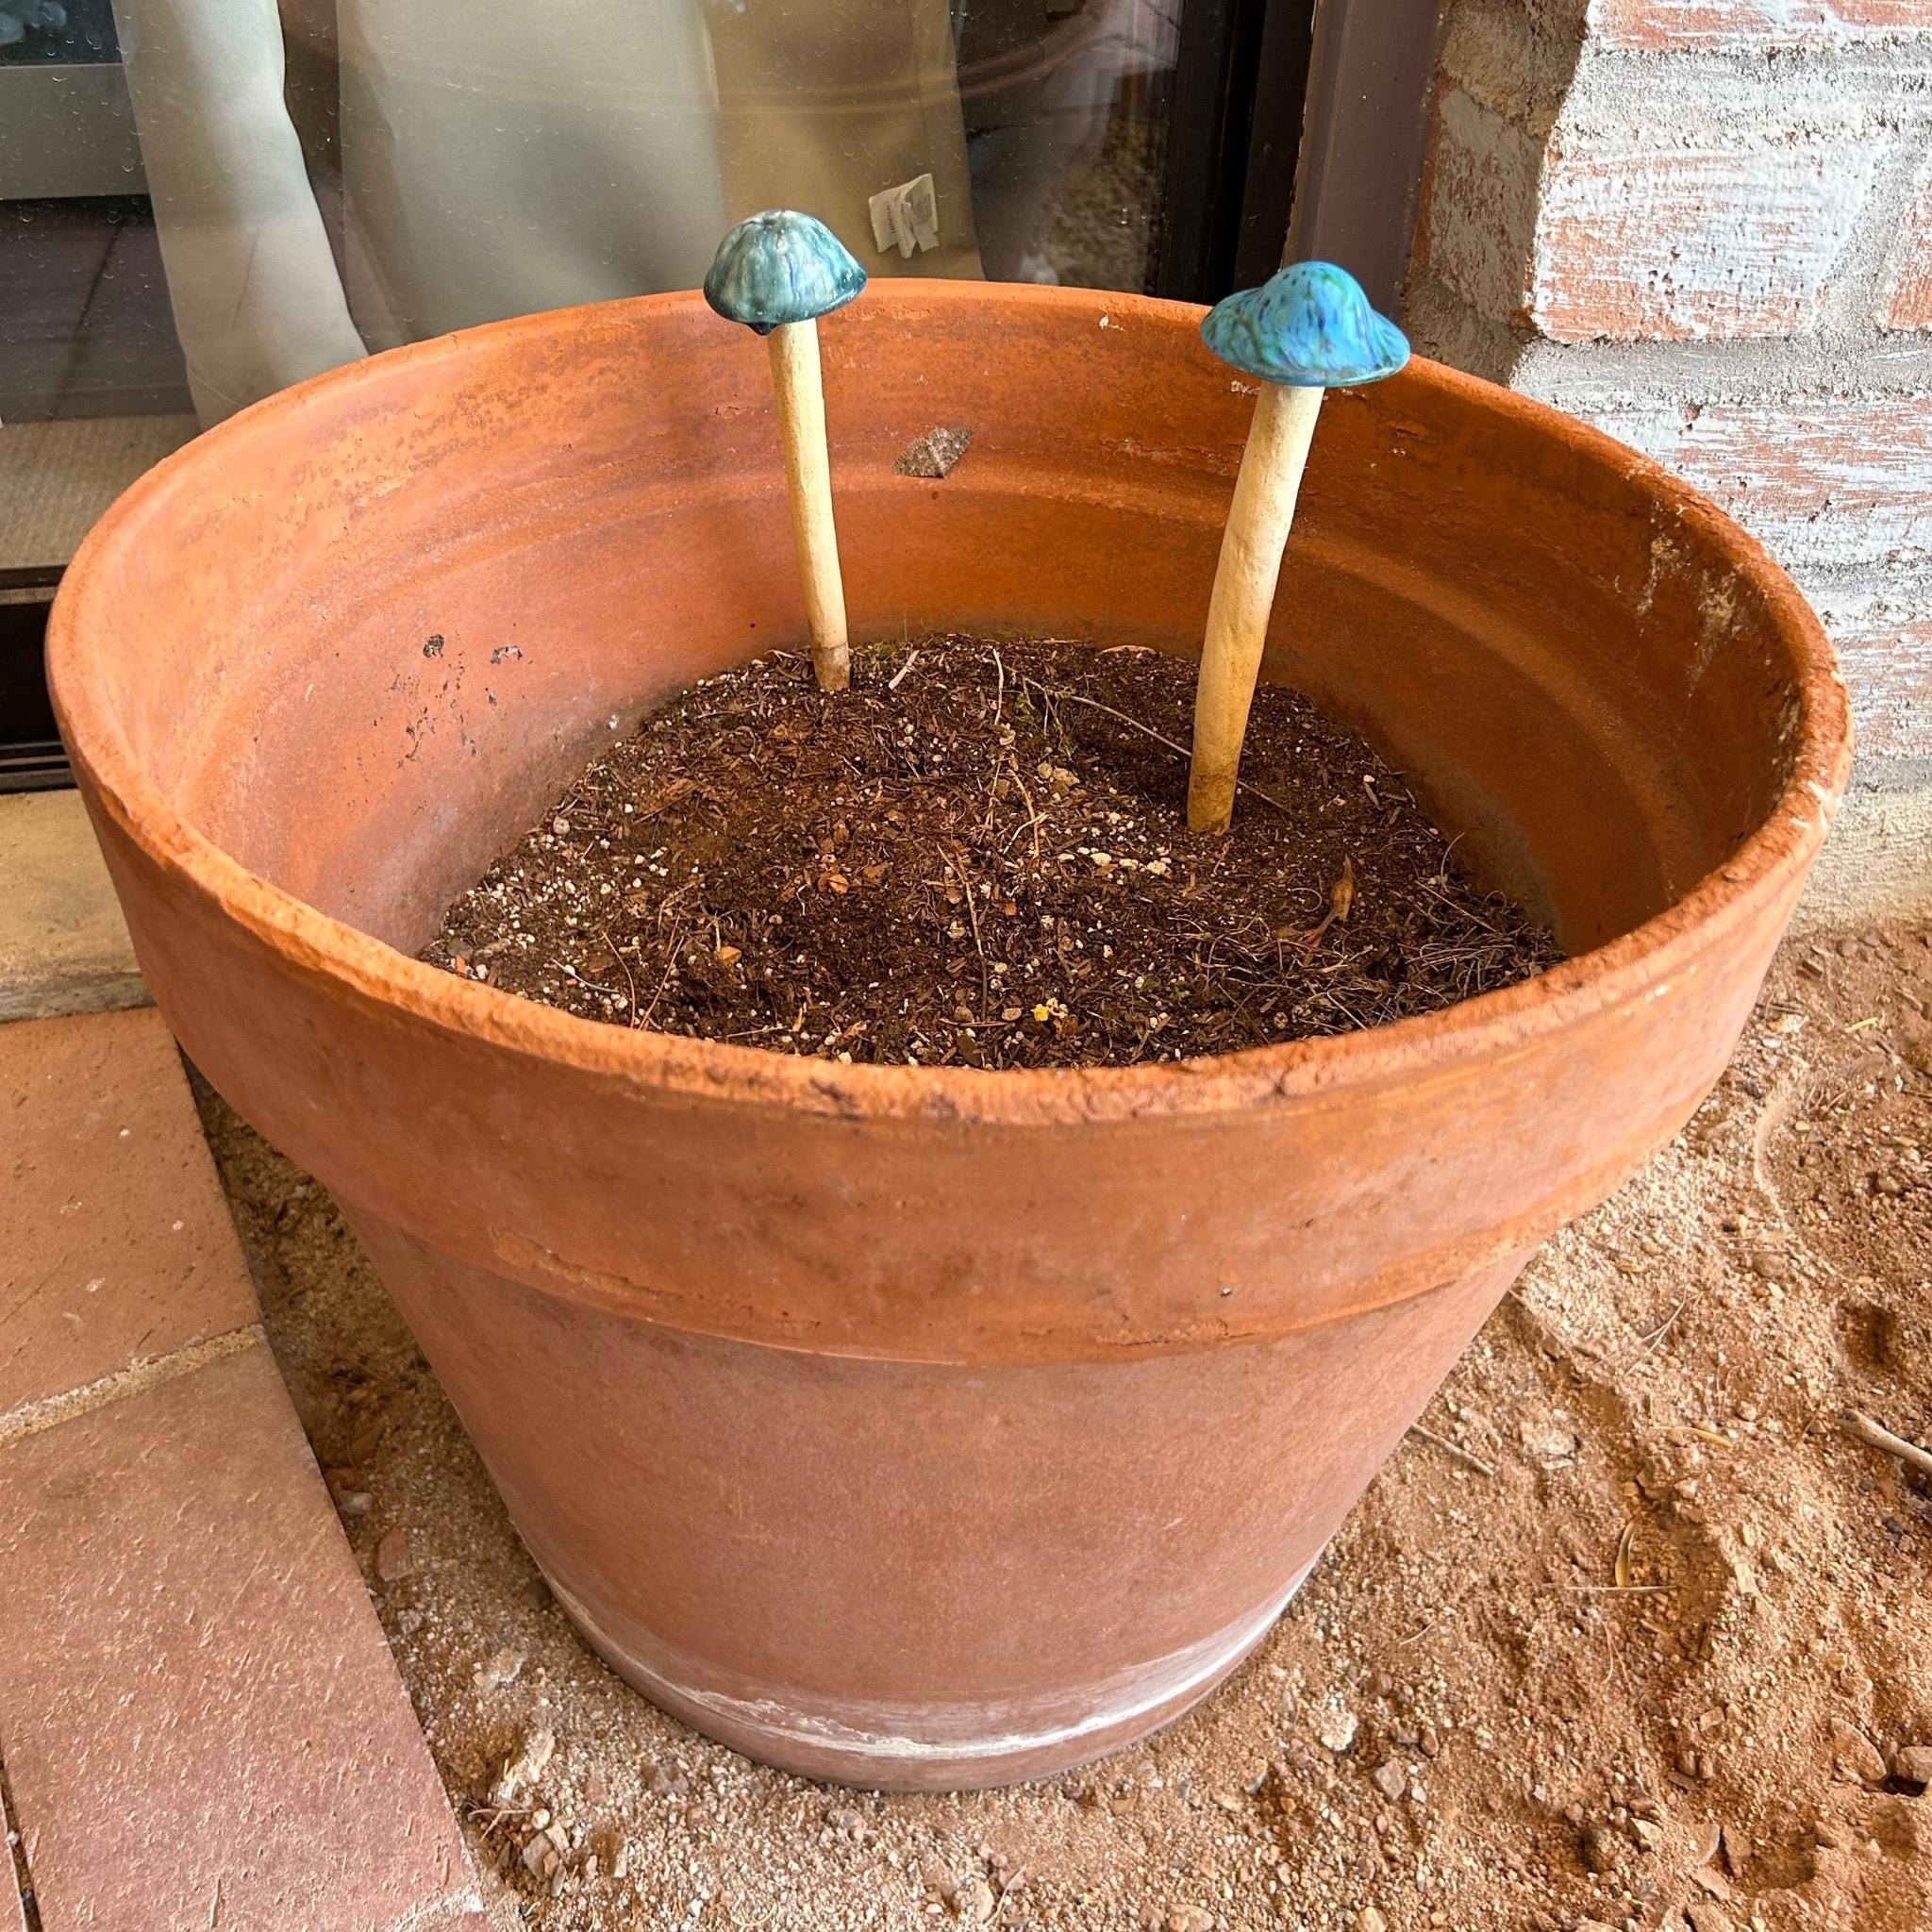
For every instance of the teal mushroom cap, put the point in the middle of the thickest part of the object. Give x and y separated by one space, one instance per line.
1309 326
781 267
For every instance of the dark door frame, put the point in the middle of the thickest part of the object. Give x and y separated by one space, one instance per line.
1371 73
1234 132
31 755
1299 130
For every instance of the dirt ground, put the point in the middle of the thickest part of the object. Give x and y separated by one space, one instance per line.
1633 1636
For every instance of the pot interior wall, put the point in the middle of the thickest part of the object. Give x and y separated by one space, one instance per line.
433 586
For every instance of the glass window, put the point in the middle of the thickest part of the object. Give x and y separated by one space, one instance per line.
202 201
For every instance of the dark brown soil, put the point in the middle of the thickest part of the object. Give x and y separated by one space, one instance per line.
978 855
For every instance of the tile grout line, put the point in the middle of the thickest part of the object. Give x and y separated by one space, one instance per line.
456 1900
49 1411
16 1841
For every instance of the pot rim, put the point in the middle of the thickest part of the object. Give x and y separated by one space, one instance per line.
1764 870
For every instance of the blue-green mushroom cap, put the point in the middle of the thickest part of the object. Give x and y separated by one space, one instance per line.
781 267
1310 327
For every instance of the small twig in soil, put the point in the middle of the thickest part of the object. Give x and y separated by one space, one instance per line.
493 1817
972 913
1879 1437
628 980
992 796
670 968
1417 1636
1617 1589
1455 1451
1073 697
1032 811
899 676
1662 1328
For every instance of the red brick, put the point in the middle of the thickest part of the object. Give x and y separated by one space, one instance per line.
1824 481
12 1915
1666 26
119 1247
1636 244
1906 303
200 1721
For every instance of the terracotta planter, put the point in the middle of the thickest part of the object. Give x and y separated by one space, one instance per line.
900 1426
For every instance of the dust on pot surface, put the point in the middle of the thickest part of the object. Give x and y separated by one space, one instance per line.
909 1427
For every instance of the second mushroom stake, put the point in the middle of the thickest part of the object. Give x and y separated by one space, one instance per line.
1309 330
777 273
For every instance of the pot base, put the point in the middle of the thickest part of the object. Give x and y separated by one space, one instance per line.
937 1748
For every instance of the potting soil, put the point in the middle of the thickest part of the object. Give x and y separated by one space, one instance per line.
978 855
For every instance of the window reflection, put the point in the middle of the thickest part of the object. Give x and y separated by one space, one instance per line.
328 176
46 31
1065 110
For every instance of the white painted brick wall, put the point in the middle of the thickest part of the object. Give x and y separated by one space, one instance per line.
1705 225
1826 483
1884 639
1722 238
1673 25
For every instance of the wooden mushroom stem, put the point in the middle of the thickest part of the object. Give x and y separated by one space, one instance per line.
1251 547
795 376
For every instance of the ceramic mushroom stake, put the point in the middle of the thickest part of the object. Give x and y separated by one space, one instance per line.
777 273
1309 330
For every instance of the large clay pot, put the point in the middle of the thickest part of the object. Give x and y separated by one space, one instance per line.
902 1427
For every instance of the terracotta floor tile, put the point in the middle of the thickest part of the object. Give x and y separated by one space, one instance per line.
115 1243
63 944
12 1915
201 1723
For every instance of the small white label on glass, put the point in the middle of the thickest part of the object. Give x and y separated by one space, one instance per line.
905 217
